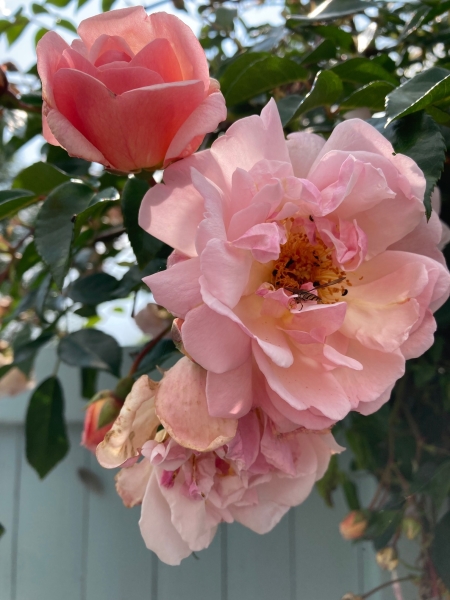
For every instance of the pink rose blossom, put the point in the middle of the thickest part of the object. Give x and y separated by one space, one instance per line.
133 93
304 270
254 477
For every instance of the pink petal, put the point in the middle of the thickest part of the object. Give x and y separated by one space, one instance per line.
49 51
203 119
136 423
303 150
263 241
107 49
229 394
380 371
225 270
59 131
177 288
214 341
159 56
128 78
173 214
156 526
127 146
182 408
132 482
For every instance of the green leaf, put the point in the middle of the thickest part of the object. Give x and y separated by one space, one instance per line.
414 22
107 4
373 96
324 51
144 245
329 482
66 24
423 90
97 206
2 530
60 3
39 178
342 39
288 106
24 354
333 9
225 17
38 9
156 357
55 226
94 289
326 89
419 137
253 73
382 526
11 201
29 258
46 435
16 29
440 549
88 382
39 35
363 70
58 157
93 349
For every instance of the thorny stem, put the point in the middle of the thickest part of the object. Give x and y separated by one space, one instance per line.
146 349
386 584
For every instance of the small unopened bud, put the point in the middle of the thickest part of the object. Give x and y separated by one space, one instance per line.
387 558
353 526
123 388
153 319
100 415
411 527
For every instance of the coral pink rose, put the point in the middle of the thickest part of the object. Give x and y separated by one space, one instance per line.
134 93
253 476
93 433
304 270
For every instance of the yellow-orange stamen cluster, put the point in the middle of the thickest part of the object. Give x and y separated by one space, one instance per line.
301 262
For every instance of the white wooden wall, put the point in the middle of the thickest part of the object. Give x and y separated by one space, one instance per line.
67 540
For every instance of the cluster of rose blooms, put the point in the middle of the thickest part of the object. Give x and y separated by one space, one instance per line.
303 275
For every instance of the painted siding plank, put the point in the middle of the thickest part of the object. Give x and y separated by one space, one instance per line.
258 565
49 548
326 565
10 456
119 566
197 578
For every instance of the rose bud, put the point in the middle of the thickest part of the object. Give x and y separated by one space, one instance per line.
387 558
353 526
153 319
100 415
411 527
133 93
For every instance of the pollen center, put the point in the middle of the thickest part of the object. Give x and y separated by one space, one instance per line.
302 262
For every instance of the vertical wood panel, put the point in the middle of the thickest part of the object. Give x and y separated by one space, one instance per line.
197 578
119 566
10 456
327 565
258 565
49 548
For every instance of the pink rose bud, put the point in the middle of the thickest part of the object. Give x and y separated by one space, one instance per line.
99 418
133 93
353 526
153 319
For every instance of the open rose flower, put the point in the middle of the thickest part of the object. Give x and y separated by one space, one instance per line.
134 93
304 264
253 477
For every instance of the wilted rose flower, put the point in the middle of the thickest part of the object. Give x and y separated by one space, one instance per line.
254 477
104 409
14 381
134 93
304 264
152 319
